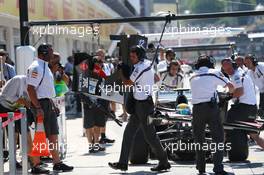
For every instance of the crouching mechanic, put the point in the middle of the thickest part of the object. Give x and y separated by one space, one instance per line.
13 96
205 111
41 91
143 78
244 97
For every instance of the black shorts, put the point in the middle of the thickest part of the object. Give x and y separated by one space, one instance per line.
50 118
93 116
242 112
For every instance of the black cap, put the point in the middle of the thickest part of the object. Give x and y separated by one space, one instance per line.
44 48
205 61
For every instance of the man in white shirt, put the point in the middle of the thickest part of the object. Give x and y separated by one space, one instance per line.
142 78
205 111
41 90
256 72
240 63
13 96
244 97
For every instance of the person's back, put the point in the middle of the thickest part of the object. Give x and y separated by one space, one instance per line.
9 71
206 112
203 92
69 66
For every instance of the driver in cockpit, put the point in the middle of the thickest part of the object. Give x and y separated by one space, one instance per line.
173 78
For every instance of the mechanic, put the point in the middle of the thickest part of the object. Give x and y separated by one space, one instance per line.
41 91
240 63
163 65
142 78
244 97
256 72
173 78
108 70
204 83
13 96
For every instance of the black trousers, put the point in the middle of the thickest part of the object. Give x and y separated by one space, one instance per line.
242 112
206 113
140 120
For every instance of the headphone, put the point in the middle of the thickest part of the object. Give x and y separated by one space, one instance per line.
253 59
205 60
140 51
44 49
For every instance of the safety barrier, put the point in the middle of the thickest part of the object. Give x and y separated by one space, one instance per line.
10 124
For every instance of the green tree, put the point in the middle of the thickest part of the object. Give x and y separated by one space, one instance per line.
206 6
243 6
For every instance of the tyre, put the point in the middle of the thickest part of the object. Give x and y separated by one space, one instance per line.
140 150
239 145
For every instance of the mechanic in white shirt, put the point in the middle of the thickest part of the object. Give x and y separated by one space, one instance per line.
240 63
40 87
13 96
244 107
173 78
142 78
205 111
256 72
144 84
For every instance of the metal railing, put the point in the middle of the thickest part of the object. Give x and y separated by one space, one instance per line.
10 124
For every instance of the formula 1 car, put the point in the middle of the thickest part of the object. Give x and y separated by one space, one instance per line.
173 122
172 116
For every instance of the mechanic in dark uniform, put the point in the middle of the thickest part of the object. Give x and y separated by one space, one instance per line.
205 111
143 107
244 97
41 91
